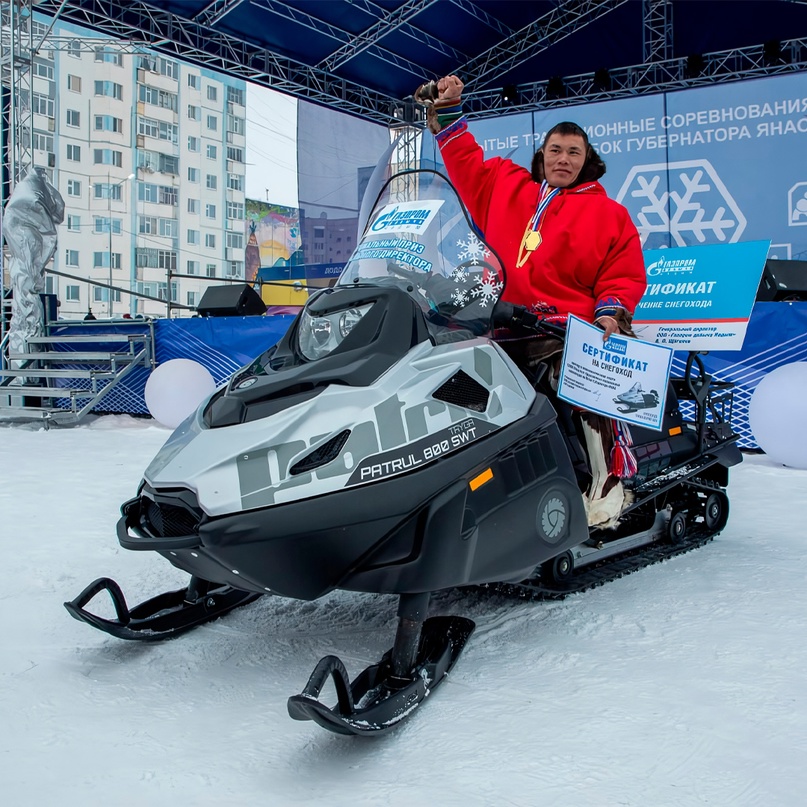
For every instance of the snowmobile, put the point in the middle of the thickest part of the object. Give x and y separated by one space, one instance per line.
636 398
387 444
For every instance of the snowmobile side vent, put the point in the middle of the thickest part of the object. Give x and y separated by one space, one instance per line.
526 462
462 390
168 520
323 455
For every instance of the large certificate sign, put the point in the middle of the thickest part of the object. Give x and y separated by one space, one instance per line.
622 378
700 298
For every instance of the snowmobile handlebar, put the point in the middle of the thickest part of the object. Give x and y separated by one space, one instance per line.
518 317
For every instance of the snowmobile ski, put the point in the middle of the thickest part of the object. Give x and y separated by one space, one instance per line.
161 617
378 700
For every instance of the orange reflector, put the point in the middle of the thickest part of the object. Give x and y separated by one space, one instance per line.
676 430
480 480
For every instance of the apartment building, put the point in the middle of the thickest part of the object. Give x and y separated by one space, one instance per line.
149 155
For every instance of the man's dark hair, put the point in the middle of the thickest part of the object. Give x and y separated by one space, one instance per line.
593 168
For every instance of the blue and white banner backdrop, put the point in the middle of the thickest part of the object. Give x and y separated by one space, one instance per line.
736 163
708 165
775 336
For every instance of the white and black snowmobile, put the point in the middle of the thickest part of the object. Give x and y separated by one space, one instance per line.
387 444
636 398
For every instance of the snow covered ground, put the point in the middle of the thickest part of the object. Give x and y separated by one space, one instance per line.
683 684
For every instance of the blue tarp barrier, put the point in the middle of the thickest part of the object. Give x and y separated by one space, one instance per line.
777 335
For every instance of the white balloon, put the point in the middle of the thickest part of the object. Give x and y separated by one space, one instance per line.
175 389
776 414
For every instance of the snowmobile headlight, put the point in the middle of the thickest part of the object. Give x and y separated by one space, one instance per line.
348 320
319 335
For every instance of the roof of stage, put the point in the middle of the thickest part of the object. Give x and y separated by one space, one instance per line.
365 56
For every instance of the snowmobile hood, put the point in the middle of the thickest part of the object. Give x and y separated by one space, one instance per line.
430 403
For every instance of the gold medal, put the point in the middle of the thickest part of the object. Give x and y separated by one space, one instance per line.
532 240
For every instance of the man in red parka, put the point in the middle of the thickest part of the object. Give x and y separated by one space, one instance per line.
566 247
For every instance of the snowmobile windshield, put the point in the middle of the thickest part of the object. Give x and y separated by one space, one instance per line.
419 238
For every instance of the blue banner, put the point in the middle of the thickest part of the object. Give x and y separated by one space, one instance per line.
692 166
700 298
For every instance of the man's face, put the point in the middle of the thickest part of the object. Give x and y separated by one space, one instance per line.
564 156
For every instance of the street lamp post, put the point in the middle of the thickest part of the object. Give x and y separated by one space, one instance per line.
109 187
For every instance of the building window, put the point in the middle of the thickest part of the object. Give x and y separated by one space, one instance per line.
43 105
193 174
194 112
74 223
193 298
193 144
193 81
101 225
212 93
108 123
193 236
108 56
147 192
193 205
100 260
212 123
108 157
235 154
210 240
43 142
210 269
73 187
234 240
74 83
73 117
235 210
236 125
210 182
43 70
73 152
101 295
169 228
235 268
72 294
103 190
192 267
168 195
71 257
147 225
110 89
212 152
210 211
235 96
161 98
235 182
74 48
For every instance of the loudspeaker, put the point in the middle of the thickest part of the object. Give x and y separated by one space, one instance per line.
232 300
783 281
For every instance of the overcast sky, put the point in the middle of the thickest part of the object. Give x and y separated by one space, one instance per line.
271 146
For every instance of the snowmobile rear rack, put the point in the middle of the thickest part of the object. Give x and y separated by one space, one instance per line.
161 617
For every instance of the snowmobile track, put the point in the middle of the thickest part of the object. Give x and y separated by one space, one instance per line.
599 574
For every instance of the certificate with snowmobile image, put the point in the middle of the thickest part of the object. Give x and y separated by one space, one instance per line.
622 378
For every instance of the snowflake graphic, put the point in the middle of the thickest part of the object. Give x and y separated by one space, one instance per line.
487 291
460 274
696 207
471 249
460 298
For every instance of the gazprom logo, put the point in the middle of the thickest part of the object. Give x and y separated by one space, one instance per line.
616 345
665 267
409 217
